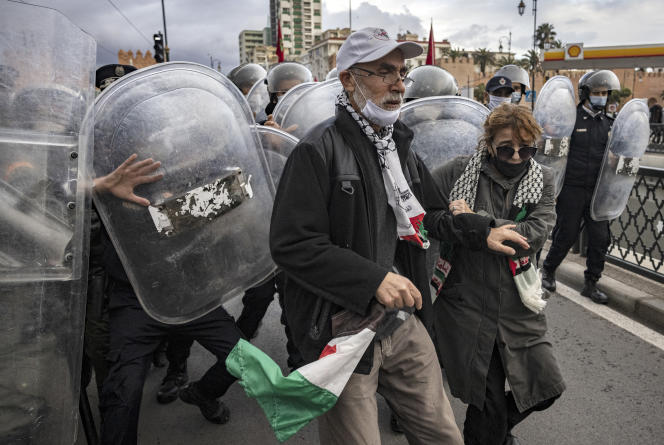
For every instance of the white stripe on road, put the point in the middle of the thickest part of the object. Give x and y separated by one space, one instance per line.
643 332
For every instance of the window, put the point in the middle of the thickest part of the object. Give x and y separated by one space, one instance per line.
286 36
317 12
286 24
285 11
316 25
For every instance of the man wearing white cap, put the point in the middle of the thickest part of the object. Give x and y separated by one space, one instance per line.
348 230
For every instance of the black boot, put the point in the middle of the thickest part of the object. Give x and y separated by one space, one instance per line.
176 378
590 290
549 279
212 409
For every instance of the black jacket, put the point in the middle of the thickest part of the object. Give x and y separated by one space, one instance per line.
321 234
587 146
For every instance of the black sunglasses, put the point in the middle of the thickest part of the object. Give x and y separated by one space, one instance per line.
505 152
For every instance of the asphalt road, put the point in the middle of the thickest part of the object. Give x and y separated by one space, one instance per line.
615 388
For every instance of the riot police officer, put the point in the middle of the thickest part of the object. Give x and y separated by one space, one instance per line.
586 154
279 80
498 90
246 75
519 78
430 80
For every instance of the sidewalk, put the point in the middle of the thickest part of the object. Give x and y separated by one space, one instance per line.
634 295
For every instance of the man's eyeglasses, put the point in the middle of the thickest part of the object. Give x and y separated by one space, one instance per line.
389 78
505 152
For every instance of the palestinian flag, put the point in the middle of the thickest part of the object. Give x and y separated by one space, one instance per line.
293 401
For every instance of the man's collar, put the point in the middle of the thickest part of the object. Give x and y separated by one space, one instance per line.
590 111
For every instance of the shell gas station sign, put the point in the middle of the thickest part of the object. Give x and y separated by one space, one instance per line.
576 56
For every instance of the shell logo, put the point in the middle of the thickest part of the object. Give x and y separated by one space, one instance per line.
574 51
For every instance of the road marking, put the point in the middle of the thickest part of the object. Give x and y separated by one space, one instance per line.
633 327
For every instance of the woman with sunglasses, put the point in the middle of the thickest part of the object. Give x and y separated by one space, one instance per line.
488 319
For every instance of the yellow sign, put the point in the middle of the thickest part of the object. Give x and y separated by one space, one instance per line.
574 51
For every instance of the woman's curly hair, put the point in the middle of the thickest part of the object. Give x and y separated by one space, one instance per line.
518 118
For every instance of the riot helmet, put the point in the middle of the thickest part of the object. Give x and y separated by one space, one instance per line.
282 78
597 80
519 78
246 75
430 80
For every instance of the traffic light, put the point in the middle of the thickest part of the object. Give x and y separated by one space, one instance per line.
158 47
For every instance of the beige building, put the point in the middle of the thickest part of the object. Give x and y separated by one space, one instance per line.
264 55
301 22
322 56
248 39
139 60
440 48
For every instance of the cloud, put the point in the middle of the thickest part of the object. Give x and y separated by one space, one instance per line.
366 14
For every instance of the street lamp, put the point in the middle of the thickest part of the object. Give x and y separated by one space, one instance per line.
522 7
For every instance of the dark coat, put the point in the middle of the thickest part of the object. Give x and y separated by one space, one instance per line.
586 149
323 237
479 305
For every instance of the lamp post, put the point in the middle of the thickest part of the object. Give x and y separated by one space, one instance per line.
522 7
509 44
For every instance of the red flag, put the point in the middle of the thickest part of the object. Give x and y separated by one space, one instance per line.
431 52
280 43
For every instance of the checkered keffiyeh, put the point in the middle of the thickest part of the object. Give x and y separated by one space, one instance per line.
530 186
407 209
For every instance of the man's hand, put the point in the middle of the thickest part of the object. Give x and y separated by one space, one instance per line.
504 233
122 180
397 291
459 206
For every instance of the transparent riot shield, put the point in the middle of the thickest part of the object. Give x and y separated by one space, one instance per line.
314 106
46 96
627 144
258 97
287 100
555 111
277 145
445 127
204 238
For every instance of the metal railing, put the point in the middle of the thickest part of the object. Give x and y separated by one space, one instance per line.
637 236
656 143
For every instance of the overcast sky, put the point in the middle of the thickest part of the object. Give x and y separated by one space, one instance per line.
200 28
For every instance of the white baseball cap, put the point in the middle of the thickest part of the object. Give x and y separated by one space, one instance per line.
369 44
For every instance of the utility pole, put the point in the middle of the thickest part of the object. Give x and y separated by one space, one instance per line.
163 15
350 16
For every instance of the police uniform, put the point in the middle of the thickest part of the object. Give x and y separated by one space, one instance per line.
586 154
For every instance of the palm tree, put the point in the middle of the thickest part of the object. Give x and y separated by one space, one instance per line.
509 60
483 57
545 34
662 95
454 54
530 61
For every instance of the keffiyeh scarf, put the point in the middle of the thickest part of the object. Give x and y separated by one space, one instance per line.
407 209
529 191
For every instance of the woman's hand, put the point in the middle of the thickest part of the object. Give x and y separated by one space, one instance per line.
460 206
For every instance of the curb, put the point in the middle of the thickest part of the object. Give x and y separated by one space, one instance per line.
632 302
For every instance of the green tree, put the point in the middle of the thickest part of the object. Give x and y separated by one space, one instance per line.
545 34
531 61
617 96
509 60
478 92
455 54
662 95
483 57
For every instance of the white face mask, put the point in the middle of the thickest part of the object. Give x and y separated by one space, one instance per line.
598 102
494 101
516 97
372 112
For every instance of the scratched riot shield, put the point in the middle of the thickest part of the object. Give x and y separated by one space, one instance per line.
246 75
46 96
627 144
277 145
288 99
314 106
445 127
555 111
204 239
258 97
